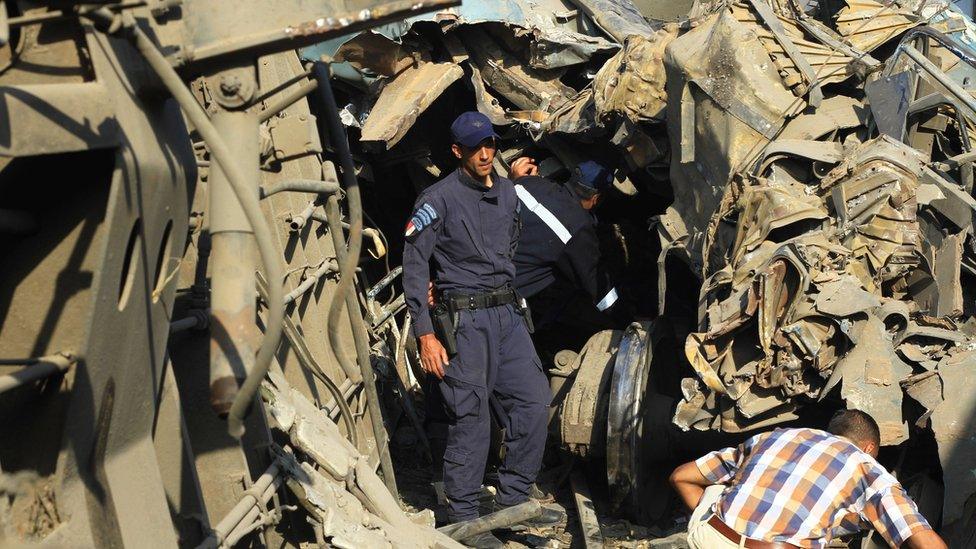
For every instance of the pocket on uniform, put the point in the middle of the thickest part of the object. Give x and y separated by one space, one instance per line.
461 400
459 243
457 457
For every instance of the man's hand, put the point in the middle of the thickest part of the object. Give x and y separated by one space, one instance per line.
690 484
433 355
523 166
430 294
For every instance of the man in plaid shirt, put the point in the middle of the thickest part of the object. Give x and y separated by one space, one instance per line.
799 488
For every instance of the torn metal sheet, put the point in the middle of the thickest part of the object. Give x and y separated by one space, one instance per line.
553 27
955 431
527 88
404 98
725 99
632 82
870 377
866 24
377 53
617 18
368 516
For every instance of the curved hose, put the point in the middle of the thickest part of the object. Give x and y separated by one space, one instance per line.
262 233
307 361
347 269
348 252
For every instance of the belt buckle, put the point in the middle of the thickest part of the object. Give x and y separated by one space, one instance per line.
471 304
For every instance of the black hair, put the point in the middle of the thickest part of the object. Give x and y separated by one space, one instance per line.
855 425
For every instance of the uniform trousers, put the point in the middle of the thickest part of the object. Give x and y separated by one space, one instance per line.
495 371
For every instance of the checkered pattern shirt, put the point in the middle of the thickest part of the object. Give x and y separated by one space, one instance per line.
806 487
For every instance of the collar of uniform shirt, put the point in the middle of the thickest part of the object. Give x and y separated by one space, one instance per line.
476 185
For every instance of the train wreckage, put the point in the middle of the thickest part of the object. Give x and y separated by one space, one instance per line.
793 219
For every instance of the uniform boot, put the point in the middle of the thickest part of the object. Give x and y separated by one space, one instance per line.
536 493
548 518
485 540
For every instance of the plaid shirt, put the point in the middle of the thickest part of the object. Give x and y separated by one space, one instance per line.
805 487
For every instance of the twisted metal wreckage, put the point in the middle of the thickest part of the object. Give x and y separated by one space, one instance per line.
814 159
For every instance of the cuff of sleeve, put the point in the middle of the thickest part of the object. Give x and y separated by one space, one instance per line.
711 468
422 324
900 538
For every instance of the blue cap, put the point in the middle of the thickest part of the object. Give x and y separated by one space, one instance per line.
472 128
592 175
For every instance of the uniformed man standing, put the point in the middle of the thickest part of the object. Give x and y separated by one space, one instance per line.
462 236
559 250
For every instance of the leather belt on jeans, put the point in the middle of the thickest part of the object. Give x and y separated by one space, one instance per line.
750 543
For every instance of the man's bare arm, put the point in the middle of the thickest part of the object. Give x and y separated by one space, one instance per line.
924 539
690 484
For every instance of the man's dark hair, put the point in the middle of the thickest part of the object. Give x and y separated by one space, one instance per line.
855 425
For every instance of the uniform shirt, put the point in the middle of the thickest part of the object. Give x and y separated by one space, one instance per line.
805 487
558 236
461 237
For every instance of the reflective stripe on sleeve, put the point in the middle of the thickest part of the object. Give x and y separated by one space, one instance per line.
608 300
548 218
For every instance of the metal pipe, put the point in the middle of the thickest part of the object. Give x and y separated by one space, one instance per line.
499 519
300 185
328 266
394 308
384 282
347 268
58 15
232 304
296 222
942 78
222 154
249 522
278 88
195 320
305 358
379 498
257 495
347 390
288 100
957 48
36 369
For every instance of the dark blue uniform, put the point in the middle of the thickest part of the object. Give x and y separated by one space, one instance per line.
462 237
558 240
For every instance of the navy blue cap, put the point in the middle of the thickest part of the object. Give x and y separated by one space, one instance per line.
471 128
592 175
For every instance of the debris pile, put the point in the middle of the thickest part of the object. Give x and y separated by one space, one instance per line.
823 188
817 159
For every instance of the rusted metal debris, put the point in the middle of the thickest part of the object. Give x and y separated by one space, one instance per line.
809 165
818 155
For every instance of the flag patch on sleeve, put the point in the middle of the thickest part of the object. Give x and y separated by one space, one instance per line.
423 217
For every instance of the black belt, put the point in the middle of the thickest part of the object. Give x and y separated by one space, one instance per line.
486 300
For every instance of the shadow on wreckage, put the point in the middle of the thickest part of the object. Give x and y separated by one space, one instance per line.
811 167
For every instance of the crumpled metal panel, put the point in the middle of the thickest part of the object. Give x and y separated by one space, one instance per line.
583 408
724 97
404 98
955 431
618 18
632 82
866 24
366 517
792 307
